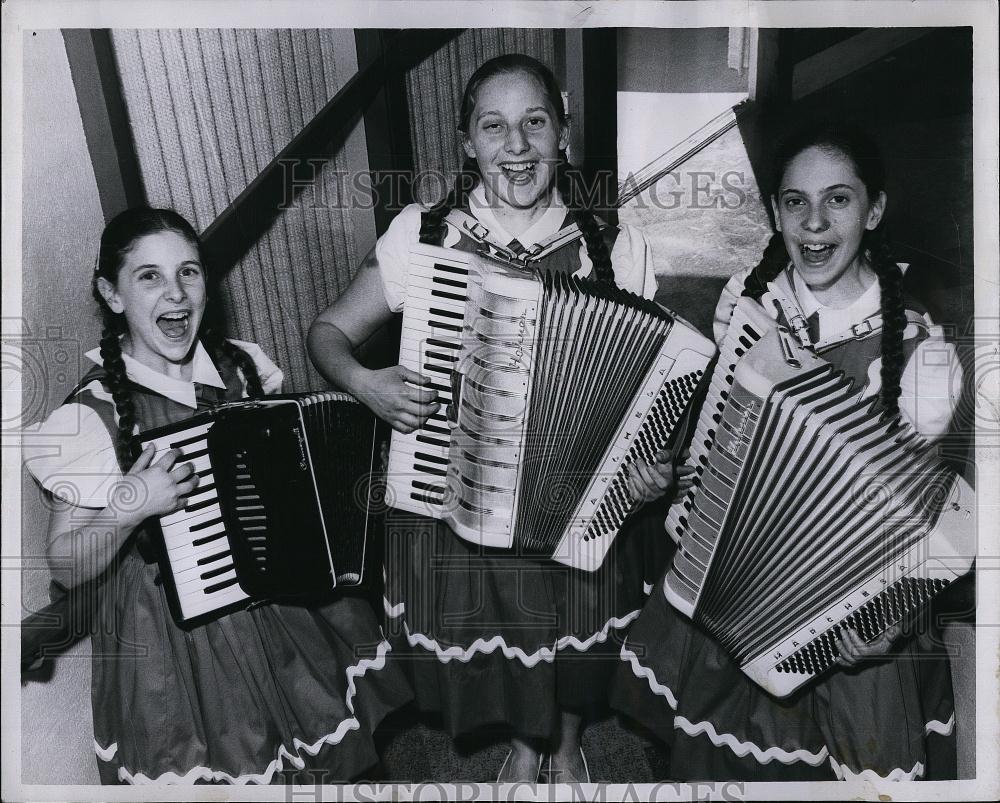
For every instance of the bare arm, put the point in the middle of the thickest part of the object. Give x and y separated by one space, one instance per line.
391 393
83 541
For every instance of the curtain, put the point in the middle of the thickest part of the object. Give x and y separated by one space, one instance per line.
209 109
434 89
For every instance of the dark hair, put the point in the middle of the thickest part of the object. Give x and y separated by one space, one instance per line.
118 238
863 153
567 180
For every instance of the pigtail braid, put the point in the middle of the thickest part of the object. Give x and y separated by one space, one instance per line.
218 348
432 226
127 444
597 249
772 262
890 279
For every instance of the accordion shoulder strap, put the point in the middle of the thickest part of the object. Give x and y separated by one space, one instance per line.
466 223
781 290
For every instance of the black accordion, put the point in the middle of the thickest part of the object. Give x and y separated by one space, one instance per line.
281 510
811 512
554 386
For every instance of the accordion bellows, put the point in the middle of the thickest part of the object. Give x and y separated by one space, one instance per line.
812 512
282 506
555 386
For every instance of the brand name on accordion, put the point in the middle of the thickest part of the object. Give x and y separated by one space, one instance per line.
522 327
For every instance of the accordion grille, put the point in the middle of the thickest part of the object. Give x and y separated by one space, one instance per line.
589 366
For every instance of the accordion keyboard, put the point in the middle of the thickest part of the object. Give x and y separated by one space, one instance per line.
430 342
195 536
746 327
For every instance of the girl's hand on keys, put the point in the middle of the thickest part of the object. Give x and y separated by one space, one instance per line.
398 396
162 487
854 650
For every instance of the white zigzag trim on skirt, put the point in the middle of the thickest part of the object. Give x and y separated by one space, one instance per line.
601 635
740 748
943 728
489 645
646 674
278 764
395 611
844 773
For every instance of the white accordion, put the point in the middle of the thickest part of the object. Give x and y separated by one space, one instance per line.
812 511
553 387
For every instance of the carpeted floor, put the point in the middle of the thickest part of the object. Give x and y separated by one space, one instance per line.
414 750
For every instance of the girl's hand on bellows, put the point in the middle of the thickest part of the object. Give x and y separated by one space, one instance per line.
647 482
395 395
159 488
853 649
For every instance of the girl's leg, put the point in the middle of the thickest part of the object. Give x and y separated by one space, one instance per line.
523 762
567 763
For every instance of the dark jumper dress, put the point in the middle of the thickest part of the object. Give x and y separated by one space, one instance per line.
893 718
247 698
500 640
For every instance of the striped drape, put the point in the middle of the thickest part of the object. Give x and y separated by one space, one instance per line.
435 87
209 109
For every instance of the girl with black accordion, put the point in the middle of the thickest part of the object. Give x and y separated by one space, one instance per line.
251 697
886 711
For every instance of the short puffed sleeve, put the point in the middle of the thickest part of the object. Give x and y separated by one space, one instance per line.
392 250
632 260
72 456
271 376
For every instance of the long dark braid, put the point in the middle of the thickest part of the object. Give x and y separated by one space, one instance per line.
890 279
127 443
569 186
219 348
432 227
772 262
864 154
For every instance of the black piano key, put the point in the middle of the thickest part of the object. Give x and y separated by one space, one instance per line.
432 441
451 269
212 558
201 505
219 586
204 525
444 344
450 282
209 538
446 313
447 326
216 572
452 296
188 441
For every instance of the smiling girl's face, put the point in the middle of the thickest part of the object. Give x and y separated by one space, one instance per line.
161 291
515 137
822 210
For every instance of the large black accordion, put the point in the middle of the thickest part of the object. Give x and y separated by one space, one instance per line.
553 387
281 510
812 511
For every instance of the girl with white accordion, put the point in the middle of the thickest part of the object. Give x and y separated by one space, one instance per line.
886 711
253 696
498 639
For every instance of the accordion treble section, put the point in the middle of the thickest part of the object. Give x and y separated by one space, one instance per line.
554 385
812 513
281 509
